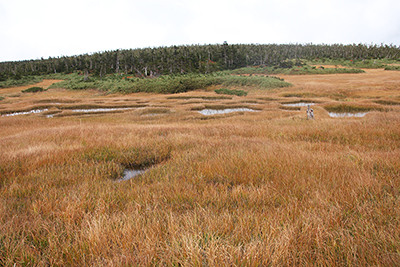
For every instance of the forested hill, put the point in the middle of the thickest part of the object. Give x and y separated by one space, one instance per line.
193 59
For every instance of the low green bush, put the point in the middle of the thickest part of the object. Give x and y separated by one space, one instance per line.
359 63
296 70
24 80
231 92
168 84
392 68
33 90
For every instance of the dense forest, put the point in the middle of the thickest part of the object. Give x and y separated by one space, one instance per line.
153 62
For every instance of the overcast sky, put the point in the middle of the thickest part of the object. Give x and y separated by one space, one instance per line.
42 28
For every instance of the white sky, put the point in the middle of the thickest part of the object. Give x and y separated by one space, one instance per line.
31 29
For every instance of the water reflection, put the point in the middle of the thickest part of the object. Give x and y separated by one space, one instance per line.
129 174
300 104
341 115
224 111
25 112
99 109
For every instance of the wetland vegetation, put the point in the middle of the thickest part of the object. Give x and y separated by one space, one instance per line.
265 188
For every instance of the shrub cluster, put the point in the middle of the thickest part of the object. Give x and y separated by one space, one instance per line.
392 68
6 83
33 90
231 92
355 63
169 84
296 70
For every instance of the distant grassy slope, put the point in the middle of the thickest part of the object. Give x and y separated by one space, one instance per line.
364 64
27 80
296 70
167 84
21 81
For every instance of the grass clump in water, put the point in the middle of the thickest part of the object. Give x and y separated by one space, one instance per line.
66 101
154 111
202 97
305 94
343 108
387 102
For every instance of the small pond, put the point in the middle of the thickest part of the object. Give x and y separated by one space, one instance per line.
224 111
341 115
130 173
300 104
25 112
99 109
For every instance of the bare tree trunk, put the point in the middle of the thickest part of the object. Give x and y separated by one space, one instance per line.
117 65
138 72
200 63
86 75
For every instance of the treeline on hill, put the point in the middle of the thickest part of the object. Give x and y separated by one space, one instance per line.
153 62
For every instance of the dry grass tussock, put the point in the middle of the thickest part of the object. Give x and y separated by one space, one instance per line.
266 188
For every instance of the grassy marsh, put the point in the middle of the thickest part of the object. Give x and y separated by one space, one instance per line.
269 188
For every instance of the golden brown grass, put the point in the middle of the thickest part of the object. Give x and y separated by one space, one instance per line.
266 188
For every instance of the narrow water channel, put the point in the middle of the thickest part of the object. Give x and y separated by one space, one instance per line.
24 113
342 115
224 111
99 109
300 104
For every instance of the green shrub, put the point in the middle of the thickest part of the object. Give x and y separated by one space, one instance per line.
231 92
25 80
33 90
295 70
359 63
1 98
392 68
168 84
